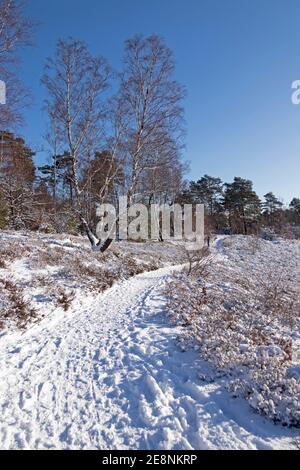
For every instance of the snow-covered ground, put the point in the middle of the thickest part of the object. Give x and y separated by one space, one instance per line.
240 306
108 374
41 275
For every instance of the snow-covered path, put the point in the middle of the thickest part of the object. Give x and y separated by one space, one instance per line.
110 376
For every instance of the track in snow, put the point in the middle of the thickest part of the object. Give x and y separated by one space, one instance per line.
110 376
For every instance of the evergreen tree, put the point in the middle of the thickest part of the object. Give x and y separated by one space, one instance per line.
272 210
295 205
242 205
208 191
294 211
271 204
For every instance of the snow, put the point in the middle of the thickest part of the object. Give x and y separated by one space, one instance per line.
243 316
44 269
109 373
111 376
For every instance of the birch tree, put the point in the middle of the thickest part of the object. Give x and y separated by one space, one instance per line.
77 82
150 100
15 33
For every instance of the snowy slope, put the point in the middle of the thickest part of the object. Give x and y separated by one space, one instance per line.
109 375
41 274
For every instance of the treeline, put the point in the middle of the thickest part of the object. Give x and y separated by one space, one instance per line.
235 208
43 198
110 133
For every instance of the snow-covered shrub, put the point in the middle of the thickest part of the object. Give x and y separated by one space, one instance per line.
93 276
133 267
12 250
40 258
245 317
65 299
270 391
14 308
198 261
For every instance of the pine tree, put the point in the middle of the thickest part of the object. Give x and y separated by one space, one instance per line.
242 205
208 191
294 211
295 205
272 208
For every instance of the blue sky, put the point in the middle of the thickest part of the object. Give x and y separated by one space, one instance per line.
237 59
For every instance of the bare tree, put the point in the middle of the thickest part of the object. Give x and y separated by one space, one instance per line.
150 103
76 82
144 121
15 29
17 99
15 33
161 183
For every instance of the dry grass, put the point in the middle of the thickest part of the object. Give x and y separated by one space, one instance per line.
11 251
45 256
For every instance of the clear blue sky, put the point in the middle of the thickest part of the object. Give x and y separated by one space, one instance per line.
237 59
